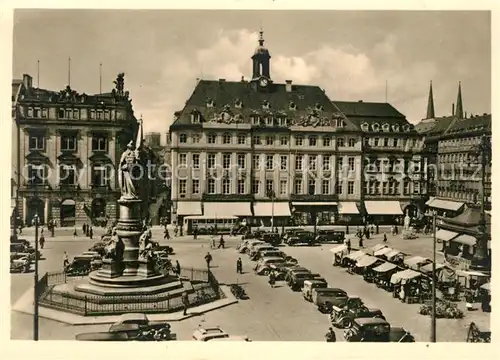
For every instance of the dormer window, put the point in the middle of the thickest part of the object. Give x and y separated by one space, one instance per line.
292 106
282 121
318 107
268 121
265 104
238 104
210 103
365 126
385 127
255 119
195 117
395 128
406 128
375 127
340 123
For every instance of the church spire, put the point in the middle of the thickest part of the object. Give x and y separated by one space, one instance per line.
430 104
459 111
261 37
261 60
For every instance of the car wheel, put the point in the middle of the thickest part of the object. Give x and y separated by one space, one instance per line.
346 323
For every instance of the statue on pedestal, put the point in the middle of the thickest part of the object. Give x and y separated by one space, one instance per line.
145 245
114 249
129 160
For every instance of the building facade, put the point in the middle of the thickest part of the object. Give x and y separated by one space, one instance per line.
66 150
267 151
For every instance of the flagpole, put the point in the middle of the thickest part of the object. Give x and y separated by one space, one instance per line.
69 72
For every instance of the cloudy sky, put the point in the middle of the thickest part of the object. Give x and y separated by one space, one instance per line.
351 54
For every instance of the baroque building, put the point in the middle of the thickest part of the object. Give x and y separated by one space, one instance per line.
65 150
263 150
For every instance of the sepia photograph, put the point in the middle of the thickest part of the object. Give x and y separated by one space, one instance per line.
251 175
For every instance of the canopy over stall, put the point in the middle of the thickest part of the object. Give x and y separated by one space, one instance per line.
416 262
387 266
393 254
407 274
445 235
382 251
355 255
338 249
378 247
366 260
443 272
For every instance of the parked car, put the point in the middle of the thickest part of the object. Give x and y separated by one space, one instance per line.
326 298
272 238
19 263
267 253
368 329
301 237
213 333
289 232
245 245
334 236
343 317
309 286
29 252
266 262
260 248
297 279
139 319
130 332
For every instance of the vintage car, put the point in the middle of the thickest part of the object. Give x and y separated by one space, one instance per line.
254 254
212 333
80 266
297 279
139 319
289 232
310 286
244 246
300 237
19 263
291 260
333 236
368 329
342 317
272 238
325 298
157 247
267 253
130 332
400 334
27 251
23 242
265 265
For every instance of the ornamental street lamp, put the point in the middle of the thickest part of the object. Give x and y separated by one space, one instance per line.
36 222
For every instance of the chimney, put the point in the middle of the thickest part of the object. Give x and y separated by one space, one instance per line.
288 85
27 81
242 79
222 80
453 109
360 101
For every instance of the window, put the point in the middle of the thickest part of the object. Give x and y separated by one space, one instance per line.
298 186
340 142
106 114
325 187
385 188
366 141
226 161
183 159
92 114
226 186
242 139
255 186
269 140
311 187
183 138
269 186
37 142
195 118
375 142
340 123
30 112
211 138
313 140
100 175
268 120
69 113
269 162
299 140
241 186
99 143
255 120
352 142
299 162
241 161
339 189
312 162
182 186
406 187
366 186
196 161
283 162
196 138
375 127
99 115
226 139
195 186
211 186
256 140
351 162
211 161
36 174
283 187
386 142
350 187
67 175
256 162
45 113
416 187
395 142
340 164
36 112
326 163
284 140
327 141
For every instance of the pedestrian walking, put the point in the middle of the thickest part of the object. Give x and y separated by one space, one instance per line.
91 233
166 234
221 242
42 241
348 244
185 302
212 242
75 234
239 266
176 231
360 242
385 238
65 260
195 233
272 279
177 268
84 228
208 259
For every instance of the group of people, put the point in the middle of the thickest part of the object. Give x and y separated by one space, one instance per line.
87 230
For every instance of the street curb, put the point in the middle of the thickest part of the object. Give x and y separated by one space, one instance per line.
25 305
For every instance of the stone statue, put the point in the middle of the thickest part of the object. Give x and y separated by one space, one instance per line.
110 249
129 160
145 245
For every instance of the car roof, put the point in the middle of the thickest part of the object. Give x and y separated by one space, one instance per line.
332 290
272 258
133 316
212 329
370 321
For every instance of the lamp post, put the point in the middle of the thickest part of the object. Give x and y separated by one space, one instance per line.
36 222
433 314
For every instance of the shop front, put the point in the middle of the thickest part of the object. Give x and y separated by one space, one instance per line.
314 213
271 213
349 214
445 208
384 212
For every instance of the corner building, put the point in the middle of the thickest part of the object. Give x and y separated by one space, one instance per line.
65 150
261 150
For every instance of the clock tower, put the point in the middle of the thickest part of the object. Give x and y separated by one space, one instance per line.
261 64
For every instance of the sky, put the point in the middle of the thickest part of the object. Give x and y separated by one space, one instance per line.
350 54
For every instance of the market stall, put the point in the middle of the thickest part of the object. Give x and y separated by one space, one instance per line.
338 253
416 262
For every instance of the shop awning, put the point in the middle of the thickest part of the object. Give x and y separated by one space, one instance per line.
356 255
429 202
316 203
378 247
445 235
393 253
383 208
338 249
348 208
226 209
189 208
415 260
203 217
382 251
266 209
404 275
465 239
446 204
471 273
428 268
366 260
387 266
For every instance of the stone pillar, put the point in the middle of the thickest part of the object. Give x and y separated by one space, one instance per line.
46 210
129 228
